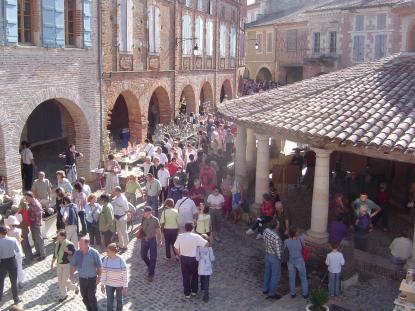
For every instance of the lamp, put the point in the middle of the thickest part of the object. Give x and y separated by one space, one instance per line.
196 50
256 45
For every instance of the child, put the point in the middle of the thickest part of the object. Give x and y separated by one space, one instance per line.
131 188
203 220
363 226
334 261
205 257
12 222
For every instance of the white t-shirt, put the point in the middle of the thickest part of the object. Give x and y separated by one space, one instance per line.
162 157
27 156
163 176
120 206
335 261
213 200
149 149
188 242
186 208
146 167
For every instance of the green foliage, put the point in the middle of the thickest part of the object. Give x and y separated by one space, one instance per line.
318 297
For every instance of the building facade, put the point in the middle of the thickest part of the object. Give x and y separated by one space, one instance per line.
162 57
318 39
47 50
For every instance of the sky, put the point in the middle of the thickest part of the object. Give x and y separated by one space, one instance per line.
250 1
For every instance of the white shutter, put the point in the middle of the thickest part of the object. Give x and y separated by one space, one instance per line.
129 25
209 38
186 34
199 33
151 43
157 29
359 48
222 47
122 25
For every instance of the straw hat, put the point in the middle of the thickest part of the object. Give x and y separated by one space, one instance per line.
12 221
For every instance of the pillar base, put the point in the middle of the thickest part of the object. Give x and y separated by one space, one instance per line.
317 237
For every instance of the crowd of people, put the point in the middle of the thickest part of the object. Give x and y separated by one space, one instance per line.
251 86
187 191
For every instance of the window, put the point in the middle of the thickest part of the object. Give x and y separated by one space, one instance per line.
233 42
125 26
209 38
381 21
154 29
270 36
359 23
292 40
316 43
259 42
380 46
70 9
186 35
210 7
199 33
188 3
333 42
358 48
200 5
222 42
24 12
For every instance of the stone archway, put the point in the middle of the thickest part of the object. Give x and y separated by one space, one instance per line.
158 110
226 90
187 100
263 75
206 101
125 114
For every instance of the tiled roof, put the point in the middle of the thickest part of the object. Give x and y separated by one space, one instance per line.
368 105
355 4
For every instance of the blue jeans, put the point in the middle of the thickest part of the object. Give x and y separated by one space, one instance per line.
334 284
293 265
110 298
272 274
204 286
145 247
154 203
82 219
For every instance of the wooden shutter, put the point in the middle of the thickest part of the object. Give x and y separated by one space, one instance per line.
233 42
157 29
209 38
122 24
151 42
87 24
380 46
129 26
49 26
358 48
60 22
381 21
186 44
199 33
11 22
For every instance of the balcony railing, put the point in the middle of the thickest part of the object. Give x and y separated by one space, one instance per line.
322 56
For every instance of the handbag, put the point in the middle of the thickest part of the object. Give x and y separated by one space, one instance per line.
305 251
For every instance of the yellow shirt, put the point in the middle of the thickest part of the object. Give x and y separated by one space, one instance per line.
170 218
132 187
203 223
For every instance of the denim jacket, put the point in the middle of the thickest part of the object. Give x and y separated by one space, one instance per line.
205 257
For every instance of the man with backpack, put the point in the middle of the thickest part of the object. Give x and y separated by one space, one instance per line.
70 219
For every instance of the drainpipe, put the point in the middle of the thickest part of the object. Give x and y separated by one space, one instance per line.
173 114
101 105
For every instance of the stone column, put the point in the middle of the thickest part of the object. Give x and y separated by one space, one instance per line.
320 202
262 168
250 150
240 154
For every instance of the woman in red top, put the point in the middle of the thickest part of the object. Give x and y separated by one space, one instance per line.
24 225
267 211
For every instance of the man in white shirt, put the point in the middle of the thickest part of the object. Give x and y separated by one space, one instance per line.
167 145
161 156
148 148
163 176
120 206
28 164
215 202
187 210
186 245
146 165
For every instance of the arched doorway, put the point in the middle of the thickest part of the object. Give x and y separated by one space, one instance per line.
187 102
226 91
411 38
158 110
206 99
246 73
125 122
50 128
264 75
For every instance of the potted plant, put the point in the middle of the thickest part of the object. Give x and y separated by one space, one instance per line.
318 300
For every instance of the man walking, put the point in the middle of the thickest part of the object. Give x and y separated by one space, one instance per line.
70 219
273 252
120 206
88 263
35 214
151 234
163 176
8 264
186 247
42 190
187 210
62 254
28 165
153 190
70 156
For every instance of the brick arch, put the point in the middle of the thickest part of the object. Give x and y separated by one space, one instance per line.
161 96
134 111
83 122
206 97
263 74
226 90
188 94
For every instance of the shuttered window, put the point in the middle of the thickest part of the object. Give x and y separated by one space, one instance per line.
200 5
24 11
199 33
292 40
380 46
316 43
125 26
333 42
359 23
154 29
87 24
381 21
222 42
232 47
270 40
358 48
259 42
70 11
11 22
187 35
209 38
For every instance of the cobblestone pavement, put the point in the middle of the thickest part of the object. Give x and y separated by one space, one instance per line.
235 285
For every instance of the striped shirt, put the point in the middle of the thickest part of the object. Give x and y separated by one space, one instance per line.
114 272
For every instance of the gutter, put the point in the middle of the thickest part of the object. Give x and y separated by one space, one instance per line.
101 104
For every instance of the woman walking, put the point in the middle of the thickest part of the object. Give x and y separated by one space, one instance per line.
296 263
169 222
79 198
106 219
114 279
203 225
25 225
92 212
